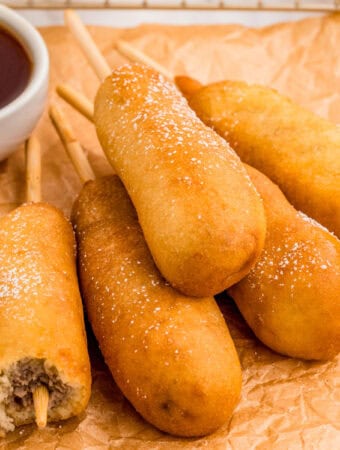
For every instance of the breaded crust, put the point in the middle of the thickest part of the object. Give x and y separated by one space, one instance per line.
41 314
290 298
201 216
171 355
294 147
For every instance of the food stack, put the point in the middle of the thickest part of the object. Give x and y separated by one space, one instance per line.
186 219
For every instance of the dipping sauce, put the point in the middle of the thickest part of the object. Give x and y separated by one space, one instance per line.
15 68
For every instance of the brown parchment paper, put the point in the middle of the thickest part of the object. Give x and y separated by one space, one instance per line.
286 403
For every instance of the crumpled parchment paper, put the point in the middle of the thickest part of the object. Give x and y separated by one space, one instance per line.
286 403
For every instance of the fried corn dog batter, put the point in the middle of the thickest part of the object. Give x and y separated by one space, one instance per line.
201 217
290 298
42 335
294 147
293 289
172 356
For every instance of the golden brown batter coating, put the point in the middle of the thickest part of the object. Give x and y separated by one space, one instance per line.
201 217
290 298
295 148
42 335
171 355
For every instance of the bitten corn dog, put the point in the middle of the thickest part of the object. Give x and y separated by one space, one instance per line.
44 364
290 298
172 356
201 216
295 148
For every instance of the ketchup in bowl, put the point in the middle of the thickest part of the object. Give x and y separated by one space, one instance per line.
15 68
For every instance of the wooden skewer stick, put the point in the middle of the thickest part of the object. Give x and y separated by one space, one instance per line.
77 159
33 194
94 56
33 170
86 43
136 55
40 402
72 146
76 99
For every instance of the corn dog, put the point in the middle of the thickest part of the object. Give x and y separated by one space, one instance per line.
290 298
294 287
44 364
295 148
201 216
172 356
42 332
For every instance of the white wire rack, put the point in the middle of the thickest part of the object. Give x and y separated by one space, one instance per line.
246 5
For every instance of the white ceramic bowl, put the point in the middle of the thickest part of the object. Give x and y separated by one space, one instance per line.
19 117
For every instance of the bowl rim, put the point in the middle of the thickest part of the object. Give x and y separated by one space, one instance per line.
37 50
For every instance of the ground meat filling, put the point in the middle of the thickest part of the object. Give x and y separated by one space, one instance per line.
28 374
22 379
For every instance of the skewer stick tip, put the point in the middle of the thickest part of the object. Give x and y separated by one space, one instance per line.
33 170
68 12
76 99
40 402
133 54
87 44
70 15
